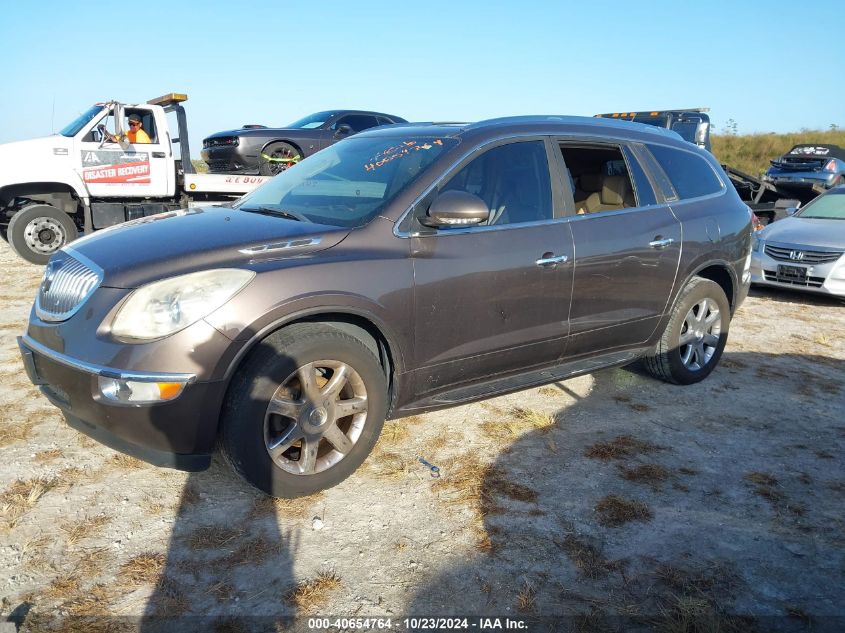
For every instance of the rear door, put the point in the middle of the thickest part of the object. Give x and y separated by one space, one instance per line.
487 299
627 252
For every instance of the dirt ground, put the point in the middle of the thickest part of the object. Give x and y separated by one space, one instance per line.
610 501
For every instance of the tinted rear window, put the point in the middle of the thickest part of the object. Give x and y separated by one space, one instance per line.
691 175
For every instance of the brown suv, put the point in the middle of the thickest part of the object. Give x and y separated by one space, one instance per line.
402 270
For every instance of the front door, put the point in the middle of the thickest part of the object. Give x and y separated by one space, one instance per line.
125 170
493 299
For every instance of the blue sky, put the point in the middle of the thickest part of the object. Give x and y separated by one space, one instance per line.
273 62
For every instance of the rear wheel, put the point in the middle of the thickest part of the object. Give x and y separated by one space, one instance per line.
695 335
39 230
278 157
304 411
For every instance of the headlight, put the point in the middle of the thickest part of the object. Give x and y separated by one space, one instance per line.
165 307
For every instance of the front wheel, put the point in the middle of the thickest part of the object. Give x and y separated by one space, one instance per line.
278 157
39 230
695 335
304 411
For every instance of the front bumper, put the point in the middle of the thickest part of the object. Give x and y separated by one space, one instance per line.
231 160
178 433
828 279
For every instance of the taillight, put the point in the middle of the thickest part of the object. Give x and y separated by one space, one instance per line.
831 165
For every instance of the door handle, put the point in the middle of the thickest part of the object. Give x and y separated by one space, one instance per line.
549 262
661 242
158 154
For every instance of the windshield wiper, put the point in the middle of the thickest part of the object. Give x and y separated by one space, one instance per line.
274 211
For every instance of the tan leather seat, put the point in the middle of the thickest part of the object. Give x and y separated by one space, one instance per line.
589 188
615 194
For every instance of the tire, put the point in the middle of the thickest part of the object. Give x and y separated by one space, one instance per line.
268 409
695 336
277 157
39 230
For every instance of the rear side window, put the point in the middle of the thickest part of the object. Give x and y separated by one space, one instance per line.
691 175
645 194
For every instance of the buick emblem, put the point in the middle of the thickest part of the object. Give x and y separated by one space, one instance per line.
796 256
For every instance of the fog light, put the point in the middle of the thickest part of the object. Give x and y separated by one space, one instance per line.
138 392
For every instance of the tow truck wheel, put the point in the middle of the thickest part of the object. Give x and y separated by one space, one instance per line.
39 230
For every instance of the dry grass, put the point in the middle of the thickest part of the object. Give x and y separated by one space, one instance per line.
48 456
311 594
588 559
650 474
86 528
125 462
222 591
252 552
62 588
93 601
526 599
21 496
696 600
621 447
639 407
497 482
143 569
213 537
93 562
614 511
287 508
550 392
760 479
11 432
515 422
751 153
390 458
169 597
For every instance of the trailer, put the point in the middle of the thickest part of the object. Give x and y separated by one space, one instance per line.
98 171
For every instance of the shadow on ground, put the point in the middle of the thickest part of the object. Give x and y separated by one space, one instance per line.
701 508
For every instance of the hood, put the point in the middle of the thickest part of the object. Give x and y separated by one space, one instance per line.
806 232
264 132
168 244
22 156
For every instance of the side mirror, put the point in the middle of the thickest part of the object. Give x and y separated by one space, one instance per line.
343 129
456 209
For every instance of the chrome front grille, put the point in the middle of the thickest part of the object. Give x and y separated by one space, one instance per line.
66 285
800 255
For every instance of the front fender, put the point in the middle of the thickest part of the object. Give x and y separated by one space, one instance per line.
329 306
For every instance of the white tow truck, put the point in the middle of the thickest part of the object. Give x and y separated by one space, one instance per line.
89 176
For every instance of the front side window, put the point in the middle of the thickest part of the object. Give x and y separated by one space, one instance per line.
348 183
72 128
692 176
513 180
357 122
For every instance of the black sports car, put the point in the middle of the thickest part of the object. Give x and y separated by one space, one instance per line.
267 151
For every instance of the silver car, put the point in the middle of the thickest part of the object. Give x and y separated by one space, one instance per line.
804 251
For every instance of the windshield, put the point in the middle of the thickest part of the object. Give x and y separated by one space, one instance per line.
313 120
79 122
828 207
348 183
